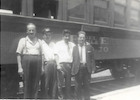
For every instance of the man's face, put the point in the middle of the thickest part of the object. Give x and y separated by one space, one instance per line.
81 38
66 37
31 31
47 36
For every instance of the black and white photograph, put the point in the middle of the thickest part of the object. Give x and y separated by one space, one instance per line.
70 49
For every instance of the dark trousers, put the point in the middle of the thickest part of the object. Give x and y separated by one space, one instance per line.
82 83
50 80
64 73
32 71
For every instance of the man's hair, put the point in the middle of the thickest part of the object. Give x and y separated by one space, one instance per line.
31 24
66 31
81 32
45 30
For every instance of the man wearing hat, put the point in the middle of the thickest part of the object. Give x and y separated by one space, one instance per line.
64 50
49 65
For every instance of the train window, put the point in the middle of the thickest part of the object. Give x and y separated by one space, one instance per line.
76 9
134 17
135 13
12 6
101 10
135 4
46 8
122 2
119 14
101 14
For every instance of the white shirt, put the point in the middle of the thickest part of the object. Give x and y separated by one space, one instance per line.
26 46
64 54
48 51
83 54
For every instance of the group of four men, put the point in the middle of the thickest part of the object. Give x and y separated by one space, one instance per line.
55 62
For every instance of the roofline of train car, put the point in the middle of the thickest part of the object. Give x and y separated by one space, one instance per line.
70 22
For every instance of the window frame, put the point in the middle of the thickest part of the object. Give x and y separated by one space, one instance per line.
71 18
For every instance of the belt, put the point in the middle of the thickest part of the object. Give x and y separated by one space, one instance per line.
45 62
31 55
83 64
65 63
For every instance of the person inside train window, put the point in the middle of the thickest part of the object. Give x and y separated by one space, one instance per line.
82 67
49 65
29 61
64 50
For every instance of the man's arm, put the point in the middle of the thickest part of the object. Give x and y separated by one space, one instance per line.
19 51
56 51
20 69
43 60
93 60
57 61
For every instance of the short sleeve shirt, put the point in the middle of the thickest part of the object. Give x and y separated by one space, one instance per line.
27 47
48 50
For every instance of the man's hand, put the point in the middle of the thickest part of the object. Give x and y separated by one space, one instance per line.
20 71
58 67
42 71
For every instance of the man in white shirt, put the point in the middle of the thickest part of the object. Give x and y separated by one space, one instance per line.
29 61
64 50
49 65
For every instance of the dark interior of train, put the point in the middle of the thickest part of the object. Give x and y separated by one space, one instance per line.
42 8
45 8
14 5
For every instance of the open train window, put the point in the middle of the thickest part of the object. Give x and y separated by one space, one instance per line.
46 8
12 6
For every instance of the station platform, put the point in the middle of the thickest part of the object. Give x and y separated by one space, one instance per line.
131 93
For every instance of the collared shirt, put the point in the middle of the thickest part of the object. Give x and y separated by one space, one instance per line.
82 53
48 51
26 46
64 51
